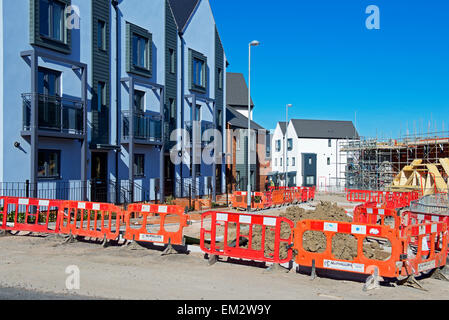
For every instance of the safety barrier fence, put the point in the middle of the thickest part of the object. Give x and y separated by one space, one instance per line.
245 236
154 223
411 243
393 199
404 250
273 198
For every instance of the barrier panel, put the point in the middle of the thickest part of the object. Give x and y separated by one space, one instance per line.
26 214
156 223
246 236
378 215
426 246
360 234
394 199
89 219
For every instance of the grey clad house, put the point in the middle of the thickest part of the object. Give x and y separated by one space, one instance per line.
91 91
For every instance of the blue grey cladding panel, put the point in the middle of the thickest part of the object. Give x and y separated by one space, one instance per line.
171 89
101 61
219 64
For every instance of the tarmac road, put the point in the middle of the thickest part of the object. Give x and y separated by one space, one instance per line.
23 294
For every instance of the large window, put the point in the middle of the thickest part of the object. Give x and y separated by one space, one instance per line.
198 72
139 165
101 91
139 100
101 35
52 21
293 161
141 52
220 78
289 144
49 164
172 60
278 145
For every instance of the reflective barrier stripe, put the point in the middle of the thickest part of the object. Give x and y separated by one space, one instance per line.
360 263
26 214
89 219
154 222
230 246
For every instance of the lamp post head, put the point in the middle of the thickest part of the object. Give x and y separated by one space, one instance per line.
289 105
254 43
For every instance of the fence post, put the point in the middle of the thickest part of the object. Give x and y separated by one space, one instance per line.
190 196
27 188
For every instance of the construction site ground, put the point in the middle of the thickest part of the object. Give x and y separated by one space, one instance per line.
33 267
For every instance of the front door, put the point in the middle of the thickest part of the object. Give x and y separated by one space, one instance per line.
99 174
309 169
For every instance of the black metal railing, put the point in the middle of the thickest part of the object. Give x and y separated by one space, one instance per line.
147 126
109 191
54 113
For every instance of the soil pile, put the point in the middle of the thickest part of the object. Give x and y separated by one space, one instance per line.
313 241
344 246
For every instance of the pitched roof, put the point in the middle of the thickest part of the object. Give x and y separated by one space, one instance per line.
236 90
282 126
236 119
182 10
329 129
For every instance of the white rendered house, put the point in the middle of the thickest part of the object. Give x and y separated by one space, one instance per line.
309 153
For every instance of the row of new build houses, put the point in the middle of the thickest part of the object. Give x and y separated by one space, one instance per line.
92 93
121 101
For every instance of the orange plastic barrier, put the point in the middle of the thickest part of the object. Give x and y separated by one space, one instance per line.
393 199
426 246
156 223
377 215
33 215
390 268
89 219
243 225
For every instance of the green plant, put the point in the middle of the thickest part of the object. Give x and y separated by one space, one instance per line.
169 200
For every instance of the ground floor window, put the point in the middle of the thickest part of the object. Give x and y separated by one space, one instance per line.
310 180
139 165
49 164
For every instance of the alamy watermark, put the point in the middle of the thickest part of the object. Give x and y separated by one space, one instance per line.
72 282
373 20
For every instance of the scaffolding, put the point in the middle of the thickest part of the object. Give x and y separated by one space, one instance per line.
372 163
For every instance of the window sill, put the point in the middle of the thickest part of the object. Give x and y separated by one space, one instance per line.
49 178
47 38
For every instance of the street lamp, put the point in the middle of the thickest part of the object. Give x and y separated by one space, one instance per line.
285 144
254 43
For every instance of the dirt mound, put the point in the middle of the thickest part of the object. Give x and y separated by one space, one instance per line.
313 241
344 246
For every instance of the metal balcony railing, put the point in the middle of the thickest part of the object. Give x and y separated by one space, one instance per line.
55 113
204 136
147 126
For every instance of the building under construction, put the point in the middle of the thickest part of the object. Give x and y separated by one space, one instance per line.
374 164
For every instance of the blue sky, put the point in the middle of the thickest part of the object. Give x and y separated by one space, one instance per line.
319 56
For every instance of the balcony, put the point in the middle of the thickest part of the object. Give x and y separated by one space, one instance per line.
204 137
57 116
147 127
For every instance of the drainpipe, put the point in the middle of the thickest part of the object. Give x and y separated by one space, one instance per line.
182 109
117 97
